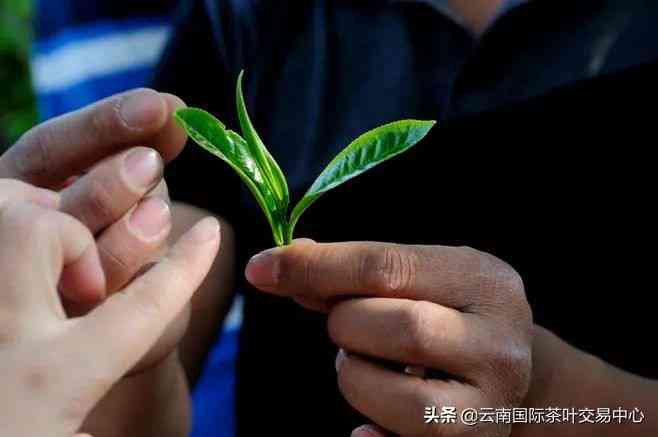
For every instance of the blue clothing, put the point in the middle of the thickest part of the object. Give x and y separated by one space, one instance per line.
85 51
516 167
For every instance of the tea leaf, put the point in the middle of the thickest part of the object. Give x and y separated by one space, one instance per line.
364 153
212 135
262 156
257 168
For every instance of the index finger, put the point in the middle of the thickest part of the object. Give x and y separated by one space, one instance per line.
455 277
130 322
67 145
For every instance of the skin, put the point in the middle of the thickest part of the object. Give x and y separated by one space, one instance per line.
476 15
566 376
54 368
94 164
451 309
455 310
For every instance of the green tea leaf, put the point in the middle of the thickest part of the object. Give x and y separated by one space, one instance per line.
367 151
212 135
262 156
252 161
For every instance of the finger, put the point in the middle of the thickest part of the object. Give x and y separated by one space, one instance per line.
66 146
397 402
454 277
318 305
370 431
130 322
162 191
134 241
417 333
12 190
169 141
37 244
110 189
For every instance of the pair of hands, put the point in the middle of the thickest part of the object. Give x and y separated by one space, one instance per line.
82 213
456 311
452 310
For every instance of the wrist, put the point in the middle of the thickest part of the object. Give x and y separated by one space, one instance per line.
565 377
562 375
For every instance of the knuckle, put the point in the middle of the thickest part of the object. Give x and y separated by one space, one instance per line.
511 366
152 301
97 206
299 268
37 222
20 219
33 150
497 281
415 330
509 293
149 304
389 270
114 260
509 280
105 118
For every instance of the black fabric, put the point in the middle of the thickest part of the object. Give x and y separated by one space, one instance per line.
542 157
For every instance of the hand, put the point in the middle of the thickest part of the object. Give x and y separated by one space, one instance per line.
110 185
457 311
54 369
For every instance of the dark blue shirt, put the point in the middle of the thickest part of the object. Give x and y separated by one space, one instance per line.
519 166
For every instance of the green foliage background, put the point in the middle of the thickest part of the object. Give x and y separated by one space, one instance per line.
17 105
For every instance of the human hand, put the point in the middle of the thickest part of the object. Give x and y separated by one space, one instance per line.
110 184
457 311
53 368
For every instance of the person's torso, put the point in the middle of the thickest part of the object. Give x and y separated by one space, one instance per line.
541 157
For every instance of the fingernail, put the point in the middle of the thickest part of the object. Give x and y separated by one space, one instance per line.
366 431
143 167
263 269
340 360
208 229
151 218
47 198
142 108
418 371
303 241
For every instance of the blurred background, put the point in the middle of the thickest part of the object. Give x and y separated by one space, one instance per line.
17 103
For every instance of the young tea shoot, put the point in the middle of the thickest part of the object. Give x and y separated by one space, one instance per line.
251 160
